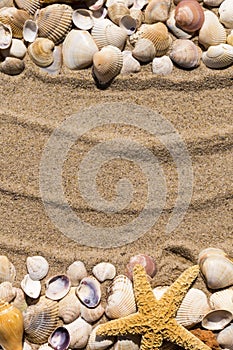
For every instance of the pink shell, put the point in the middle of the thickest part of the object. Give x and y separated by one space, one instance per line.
146 261
189 15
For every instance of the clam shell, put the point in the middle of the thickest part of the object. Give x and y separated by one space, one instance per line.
89 291
189 15
92 315
57 287
17 49
185 53
99 14
41 52
104 271
76 271
157 11
5 36
178 32
219 56
54 22
142 259
40 320
79 332
37 267
226 13
212 3
69 307
15 18
78 56
130 64
95 5
158 34
209 252
216 319
82 19
116 11
59 339
230 38
137 15
7 269
212 31
98 342
128 23
28 5
19 300
121 301
30 287
144 51
162 65
222 300
30 31
7 291
225 337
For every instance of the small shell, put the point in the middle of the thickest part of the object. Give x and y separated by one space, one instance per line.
89 291
15 18
185 53
225 337
7 269
5 36
76 271
230 38
26 346
159 36
219 56
226 13
59 339
209 252
69 307
99 14
137 15
99 342
157 11
104 271
162 65
212 3
92 315
20 301
139 4
82 19
222 300
41 52
17 49
30 31
94 5
45 346
7 291
127 343
142 259
178 32
79 332
189 15
37 267
116 11
28 5
144 51
30 287
6 3
130 64
128 23
12 66
57 287
216 319
55 67
212 31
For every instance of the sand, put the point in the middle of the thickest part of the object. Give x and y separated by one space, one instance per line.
198 103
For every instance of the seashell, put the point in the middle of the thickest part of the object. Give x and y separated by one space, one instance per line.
159 291
230 38
6 3
222 300
226 13
216 319
209 252
12 66
45 346
225 337
178 32
193 308
40 320
142 259
79 332
99 14
127 343
30 287
185 53
110 2
76 271
19 300
144 51
130 64
116 11
59 339
212 3
30 31
89 291
104 271
41 52
37 266
11 329
98 342
17 49
57 287
219 56
95 5
82 19
157 11
28 5
55 67
137 15
121 300
69 307
7 292
139 4
128 23
54 22
15 18
162 65
212 31
189 15
107 64
92 315
26 346
5 36
158 34
7 269
78 56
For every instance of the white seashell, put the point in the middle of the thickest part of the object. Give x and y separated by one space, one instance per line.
209 252
82 19
230 38
98 342
37 267
41 52
185 53
139 4
55 67
26 346
79 332
99 14
12 66
94 5
111 2
5 36
76 271
159 291
69 307
127 343
57 287
128 23
222 300
144 50
30 30
15 18
157 11
92 315
7 291
31 6
89 291
212 31
6 3
216 319
45 346
225 337
137 15
178 32
130 64
7 269
104 271
212 3
30 287
19 300
219 56
162 65
226 13
17 49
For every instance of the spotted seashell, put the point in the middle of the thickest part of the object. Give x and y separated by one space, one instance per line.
41 52
222 300
142 259
79 331
189 15
89 291
92 314
178 32
225 337
185 53
76 271
212 31
162 65
57 287
7 269
219 56
30 287
212 3
158 34
69 307
82 19
15 18
230 38
7 291
157 11
40 320
99 342
5 36
216 319
226 13
28 5
130 64
54 22
116 11
17 49
104 271
37 267
144 51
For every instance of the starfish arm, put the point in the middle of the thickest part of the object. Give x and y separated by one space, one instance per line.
126 325
151 340
177 334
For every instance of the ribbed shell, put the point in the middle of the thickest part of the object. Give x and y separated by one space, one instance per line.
127 343
79 333
15 18
222 300
7 270
41 52
212 31
92 315
219 56
28 5
69 307
158 34
226 13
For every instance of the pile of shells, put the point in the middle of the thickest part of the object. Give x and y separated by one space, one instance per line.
115 36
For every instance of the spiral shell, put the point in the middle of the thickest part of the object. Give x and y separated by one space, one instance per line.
185 53
225 337
79 331
212 31
15 18
178 32
104 271
144 50
116 11
37 267
130 64
158 34
69 307
226 13
189 15
28 5
157 11
5 36
76 271
162 65
216 319
219 56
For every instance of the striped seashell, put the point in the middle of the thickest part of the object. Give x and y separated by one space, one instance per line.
37 267
76 271
157 11
54 22
5 36
212 3
99 342
222 300
189 15
55 67
230 38
7 291
185 53
28 5
226 13
40 320
7 269
212 31
104 271
82 19
130 64
30 31
219 56
79 333
19 300
116 11
91 314
15 18
162 65
144 50
225 337
178 32
216 320
17 49
41 52
30 287
158 34
129 342
69 307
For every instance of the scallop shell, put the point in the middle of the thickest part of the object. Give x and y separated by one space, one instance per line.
40 320
5 36
82 19
17 49
92 315
76 271
98 342
30 287
162 65
121 301
127 343
230 38
225 337
37 267
7 292
104 271
222 300
69 307
212 31
130 64
30 31
59 339
7 269
189 15
216 319
128 23
57 287
79 332
54 22
15 18
219 56
158 34
41 52
157 11
89 291
226 13
212 3
178 32
28 5
144 51
185 53
81 55
116 11
20 301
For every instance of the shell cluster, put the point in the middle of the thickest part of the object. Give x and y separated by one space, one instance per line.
101 33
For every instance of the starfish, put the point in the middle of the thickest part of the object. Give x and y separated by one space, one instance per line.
155 319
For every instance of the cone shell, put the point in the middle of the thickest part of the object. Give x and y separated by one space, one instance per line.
37 267
158 34
92 315
178 32
144 51
40 320
15 18
216 319
5 36
225 337
7 269
98 342
17 49
222 300
89 291
162 65
76 271
157 11
7 292
69 307
130 64
30 287
57 287
189 15
212 31
28 5
226 13
54 22
185 53
219 56
116 11
79 332
104 271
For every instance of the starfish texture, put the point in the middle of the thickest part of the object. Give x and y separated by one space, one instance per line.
155 319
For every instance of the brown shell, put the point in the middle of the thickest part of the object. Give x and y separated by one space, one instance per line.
157 11
41 52
15 18
185 53
158 34
116 11
189 15
28 5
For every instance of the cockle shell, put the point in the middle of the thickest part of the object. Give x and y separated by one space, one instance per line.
212 31
41 52
82 19
57 287
185 53
37 267
19 300
216 319
104 271
30 30
130 64
30 287
7 270
40 320
142 259
225 337
178 32
144 51
69 307
89 292
15 18
92 314
230 38
81 55
222 300
7 291
28 5
226 13
189 15
12 66
79 332
162 65
212 3
116 11
17 49
158 34
98 342
128 23
157 11
59 339
11 327
76 271
5 36
219 56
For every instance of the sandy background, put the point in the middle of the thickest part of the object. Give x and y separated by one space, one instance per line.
199 105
